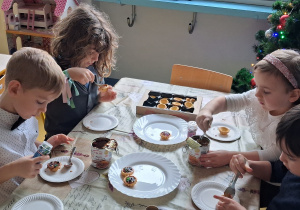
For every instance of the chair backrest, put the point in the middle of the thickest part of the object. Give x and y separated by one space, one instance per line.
2 81
200 78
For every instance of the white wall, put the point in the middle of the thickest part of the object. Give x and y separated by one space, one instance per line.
159 38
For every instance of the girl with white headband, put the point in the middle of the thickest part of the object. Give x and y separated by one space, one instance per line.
277 78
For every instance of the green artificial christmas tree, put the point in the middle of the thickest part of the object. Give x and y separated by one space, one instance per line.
285 29
284 33
243 81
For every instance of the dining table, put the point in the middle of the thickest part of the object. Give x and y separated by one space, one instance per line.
97 192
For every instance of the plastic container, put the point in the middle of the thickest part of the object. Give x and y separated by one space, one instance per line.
195 153
192 128
101 150
43 149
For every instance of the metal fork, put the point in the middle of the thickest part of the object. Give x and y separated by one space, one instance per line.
230 190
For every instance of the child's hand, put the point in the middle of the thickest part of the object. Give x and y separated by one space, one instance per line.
28 167
240 163
107 96
204 119
59 139
81 75
215 158
227 203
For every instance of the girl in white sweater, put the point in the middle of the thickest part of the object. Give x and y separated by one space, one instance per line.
277 79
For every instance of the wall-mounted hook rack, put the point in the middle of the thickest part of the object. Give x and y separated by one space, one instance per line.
133 14
193 23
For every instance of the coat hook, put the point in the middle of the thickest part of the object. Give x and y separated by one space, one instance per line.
193 23
133 14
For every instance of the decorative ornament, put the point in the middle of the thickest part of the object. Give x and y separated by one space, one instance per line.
279 27
269 18
282 20
253 84
269 33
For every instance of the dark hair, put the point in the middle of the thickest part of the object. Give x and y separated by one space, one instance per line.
288 130
83 28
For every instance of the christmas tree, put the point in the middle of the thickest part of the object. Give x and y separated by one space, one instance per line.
285 29
284 33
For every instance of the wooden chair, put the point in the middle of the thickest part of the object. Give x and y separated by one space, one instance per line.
40 118
2 81
200 78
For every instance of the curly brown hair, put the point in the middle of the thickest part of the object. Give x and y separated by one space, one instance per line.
83 28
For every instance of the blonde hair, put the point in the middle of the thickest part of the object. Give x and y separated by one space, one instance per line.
83 28
34 68
290 58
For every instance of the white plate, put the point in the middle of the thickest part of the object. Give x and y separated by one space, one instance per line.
63 174
156 175
100 122
214 133
203 192
150 126
39 201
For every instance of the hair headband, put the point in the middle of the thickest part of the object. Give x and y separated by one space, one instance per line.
282 68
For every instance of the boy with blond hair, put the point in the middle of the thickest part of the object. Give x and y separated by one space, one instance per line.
32 80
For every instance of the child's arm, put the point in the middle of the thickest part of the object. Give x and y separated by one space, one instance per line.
59 139
81 75
222 157
107 96
26 167
228 204
215 106
259 169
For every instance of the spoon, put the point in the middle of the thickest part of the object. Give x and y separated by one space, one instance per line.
204 133
69 164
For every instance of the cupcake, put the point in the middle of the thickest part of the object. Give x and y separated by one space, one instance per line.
176 103
54 166
126 171
164 101
162 106
103 88
223 130
174 108
165 135
130 180
188 105
177 99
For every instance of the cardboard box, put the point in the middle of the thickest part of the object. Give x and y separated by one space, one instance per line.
188 116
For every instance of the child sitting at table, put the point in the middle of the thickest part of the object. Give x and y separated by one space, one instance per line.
86 41
277 78
32 80
286 171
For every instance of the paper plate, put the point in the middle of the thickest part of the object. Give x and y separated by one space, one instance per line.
100 122
63 174
39 201
214 133
203 192
156 175
150 126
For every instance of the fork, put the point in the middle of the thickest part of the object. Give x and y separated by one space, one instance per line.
69 164
230 190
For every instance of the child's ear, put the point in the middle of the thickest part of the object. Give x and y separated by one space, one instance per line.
295 95
14 87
